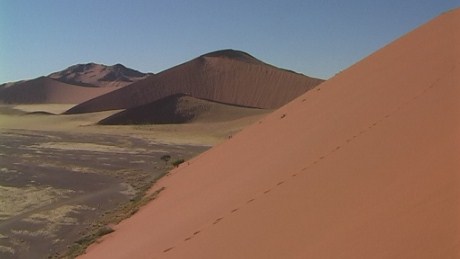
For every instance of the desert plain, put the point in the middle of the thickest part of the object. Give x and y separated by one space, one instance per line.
65 180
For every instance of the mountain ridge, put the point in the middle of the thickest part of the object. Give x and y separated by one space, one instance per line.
98 75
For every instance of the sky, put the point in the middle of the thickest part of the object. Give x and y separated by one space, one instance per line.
316 38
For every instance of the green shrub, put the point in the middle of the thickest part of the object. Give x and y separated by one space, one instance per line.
177 162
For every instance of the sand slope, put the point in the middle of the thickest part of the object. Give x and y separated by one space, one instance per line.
226 76
366 166
180 108
47 90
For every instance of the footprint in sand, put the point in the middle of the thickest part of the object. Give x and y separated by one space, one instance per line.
251 200
217 221
167 250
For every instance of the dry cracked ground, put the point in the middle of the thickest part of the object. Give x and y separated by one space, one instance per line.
59 191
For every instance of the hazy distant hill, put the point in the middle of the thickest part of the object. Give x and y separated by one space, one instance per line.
75 84
92 74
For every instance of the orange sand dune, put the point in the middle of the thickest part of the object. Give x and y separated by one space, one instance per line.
47 90
226 76
365 166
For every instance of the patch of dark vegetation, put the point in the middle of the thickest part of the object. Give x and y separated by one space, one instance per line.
177 162
166 158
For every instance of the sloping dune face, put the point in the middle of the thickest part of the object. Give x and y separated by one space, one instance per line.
226 76
365 166
180 108
47 90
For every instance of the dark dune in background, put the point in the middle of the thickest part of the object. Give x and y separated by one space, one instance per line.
180 108
227 76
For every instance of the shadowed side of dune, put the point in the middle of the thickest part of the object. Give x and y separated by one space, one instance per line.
227 76
180 108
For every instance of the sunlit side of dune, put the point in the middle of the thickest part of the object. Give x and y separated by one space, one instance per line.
365 166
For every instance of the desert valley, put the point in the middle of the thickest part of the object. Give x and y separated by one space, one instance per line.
226 156
80 147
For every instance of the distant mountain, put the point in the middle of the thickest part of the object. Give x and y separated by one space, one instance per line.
226 76
98 75
75 84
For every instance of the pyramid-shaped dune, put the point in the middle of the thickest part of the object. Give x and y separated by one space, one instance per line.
226 76
365 166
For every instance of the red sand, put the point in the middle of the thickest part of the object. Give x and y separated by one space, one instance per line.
226 76
366 166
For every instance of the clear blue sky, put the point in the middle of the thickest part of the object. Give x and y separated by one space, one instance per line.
317 38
